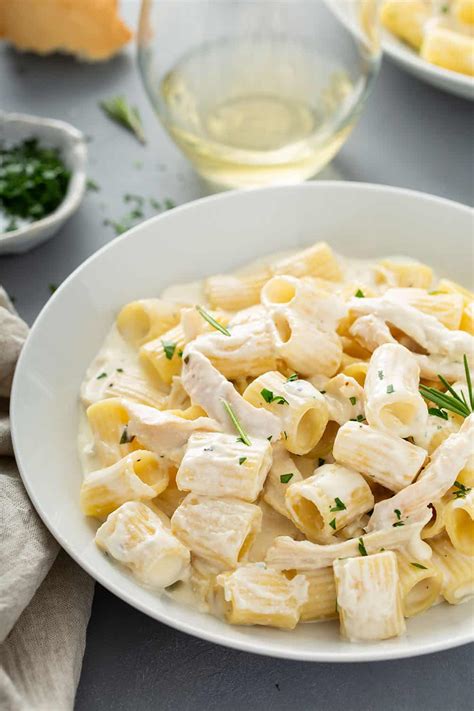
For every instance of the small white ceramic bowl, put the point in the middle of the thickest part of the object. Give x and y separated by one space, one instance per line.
213 235
72 144
445 79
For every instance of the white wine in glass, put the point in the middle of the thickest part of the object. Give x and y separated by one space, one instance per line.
262 92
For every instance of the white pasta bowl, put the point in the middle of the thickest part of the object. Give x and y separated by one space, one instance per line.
445 79
213 235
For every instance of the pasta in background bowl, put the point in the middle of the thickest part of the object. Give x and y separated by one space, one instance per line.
432 39
215 236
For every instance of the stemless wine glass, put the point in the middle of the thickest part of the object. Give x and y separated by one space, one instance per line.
258 92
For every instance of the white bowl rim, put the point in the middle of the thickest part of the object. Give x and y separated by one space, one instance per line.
403 54
77 182
359 654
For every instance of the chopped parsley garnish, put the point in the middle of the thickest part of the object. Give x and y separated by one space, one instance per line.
125 439
333 523
242 460
91 185
119 370
390 389
398 523
353 400
418 565
270 437
438 412
169 349
340 505
398 514
380 374
269 397
169 204
362 548
451 400
33 181
52 288
212 321
243 437
292 377
359 418
285 478
460 490
102 375
127 116
360 294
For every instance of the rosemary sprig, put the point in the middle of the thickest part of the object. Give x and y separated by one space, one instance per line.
119 111
243 435
215 324
451 400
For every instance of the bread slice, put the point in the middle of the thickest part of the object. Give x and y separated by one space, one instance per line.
90 29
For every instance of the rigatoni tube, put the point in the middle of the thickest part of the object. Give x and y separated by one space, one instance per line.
393 401
368 597
457 571
139 476
219 465
136 537
383 457
420 585
220 530
142 321
257 595
327 501
300 408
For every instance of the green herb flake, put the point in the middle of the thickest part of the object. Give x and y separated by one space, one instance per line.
169 349
398 514
125 439
380 374
169 204
451 400
340 505
437 412
360 294
418 565
362 548
127 116
285 478
353 400
397 524
390 389
242 460
292 378
119 370
102 375
460 490
52 288
269 397
212 321
270 437
243 437
92 186
333 523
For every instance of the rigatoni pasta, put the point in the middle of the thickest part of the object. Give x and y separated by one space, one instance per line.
295 447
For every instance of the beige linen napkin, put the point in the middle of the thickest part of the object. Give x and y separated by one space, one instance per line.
45 598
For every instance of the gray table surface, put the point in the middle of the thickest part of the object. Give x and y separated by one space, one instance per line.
410 135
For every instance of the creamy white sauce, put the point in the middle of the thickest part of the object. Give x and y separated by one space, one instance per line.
116 353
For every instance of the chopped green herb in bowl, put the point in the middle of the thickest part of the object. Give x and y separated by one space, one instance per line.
33 182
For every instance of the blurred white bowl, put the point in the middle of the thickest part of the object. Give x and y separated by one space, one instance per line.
72 145
210 236
445 79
